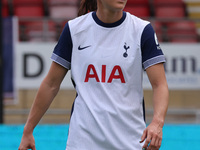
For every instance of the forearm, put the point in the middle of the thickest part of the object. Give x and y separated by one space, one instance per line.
160 103
44 97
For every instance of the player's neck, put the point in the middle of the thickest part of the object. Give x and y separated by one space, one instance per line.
109 16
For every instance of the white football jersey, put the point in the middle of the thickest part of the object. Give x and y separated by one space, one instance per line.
107 63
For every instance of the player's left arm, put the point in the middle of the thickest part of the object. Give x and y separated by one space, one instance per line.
153 133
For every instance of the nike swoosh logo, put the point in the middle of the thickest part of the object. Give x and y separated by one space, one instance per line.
82 48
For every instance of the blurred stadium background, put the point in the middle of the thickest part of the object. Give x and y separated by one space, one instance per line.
30 31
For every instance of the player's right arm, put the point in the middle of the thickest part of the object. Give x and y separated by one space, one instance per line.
45 95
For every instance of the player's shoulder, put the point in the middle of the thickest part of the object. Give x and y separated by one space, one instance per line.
80 19
80 23
136 21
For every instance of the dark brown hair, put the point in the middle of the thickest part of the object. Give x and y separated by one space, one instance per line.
87 6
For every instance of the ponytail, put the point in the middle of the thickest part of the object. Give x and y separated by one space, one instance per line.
87 6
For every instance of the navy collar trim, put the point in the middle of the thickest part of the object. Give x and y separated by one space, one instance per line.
108 25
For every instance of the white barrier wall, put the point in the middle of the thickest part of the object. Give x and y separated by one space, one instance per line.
33 62
182 66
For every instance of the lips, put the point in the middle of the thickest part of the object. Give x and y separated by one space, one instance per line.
122 0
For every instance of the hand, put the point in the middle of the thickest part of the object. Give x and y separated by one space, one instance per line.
153 136
27 142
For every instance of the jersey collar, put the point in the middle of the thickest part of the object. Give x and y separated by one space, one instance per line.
108 25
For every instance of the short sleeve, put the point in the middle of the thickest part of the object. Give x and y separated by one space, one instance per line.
63 50
151 51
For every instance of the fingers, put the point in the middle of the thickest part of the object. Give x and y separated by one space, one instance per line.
143 136
148 140
32 147
153 141
27 142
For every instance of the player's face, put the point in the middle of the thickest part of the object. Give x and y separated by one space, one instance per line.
112 5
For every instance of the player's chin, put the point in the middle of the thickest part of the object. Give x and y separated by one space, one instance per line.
119 7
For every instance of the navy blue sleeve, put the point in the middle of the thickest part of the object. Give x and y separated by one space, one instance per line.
63 50
151 51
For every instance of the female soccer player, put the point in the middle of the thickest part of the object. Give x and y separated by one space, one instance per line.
106 50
